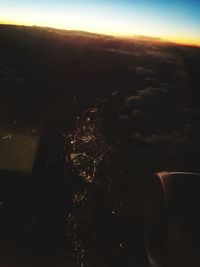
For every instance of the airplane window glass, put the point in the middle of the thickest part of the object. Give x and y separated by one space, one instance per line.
96 97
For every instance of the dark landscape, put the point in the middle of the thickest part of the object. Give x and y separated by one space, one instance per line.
126 108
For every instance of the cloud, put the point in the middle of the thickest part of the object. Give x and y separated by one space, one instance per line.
150 99
144 71
172 138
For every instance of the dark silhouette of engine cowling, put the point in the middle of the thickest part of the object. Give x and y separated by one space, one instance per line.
172 220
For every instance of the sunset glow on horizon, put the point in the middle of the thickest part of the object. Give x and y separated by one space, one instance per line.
176 21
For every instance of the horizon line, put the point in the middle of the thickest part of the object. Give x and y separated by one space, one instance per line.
132 36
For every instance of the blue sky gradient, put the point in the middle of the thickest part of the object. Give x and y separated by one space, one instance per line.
172 19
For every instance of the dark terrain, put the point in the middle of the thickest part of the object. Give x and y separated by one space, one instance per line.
126 108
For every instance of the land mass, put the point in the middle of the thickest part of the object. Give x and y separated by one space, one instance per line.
127 108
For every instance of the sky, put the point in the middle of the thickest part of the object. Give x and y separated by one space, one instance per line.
173 20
